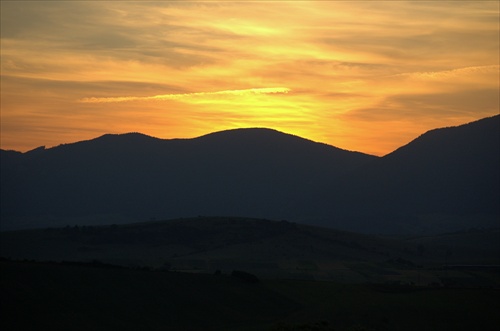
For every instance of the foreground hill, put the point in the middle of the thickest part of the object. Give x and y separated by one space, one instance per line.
445 180
266 248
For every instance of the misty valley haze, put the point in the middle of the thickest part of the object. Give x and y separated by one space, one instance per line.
445 180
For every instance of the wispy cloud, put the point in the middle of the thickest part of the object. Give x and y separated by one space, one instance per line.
453 73
176 96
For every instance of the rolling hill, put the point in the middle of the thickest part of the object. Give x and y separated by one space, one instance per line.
270 249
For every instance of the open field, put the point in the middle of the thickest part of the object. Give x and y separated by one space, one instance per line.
53 296
269 249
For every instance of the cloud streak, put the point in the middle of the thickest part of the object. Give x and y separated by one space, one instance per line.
453 73
180 96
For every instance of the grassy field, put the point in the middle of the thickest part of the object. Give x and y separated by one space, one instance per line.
269 249
37 296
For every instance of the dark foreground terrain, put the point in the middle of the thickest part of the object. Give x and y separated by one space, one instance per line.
270 249
68 296
229 273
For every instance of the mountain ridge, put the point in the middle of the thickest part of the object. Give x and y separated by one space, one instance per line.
255 133
474 127
261 173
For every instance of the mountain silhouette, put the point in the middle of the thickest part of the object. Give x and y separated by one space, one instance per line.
457 169
447 179
130 177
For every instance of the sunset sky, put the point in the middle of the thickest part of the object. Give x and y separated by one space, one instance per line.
368 76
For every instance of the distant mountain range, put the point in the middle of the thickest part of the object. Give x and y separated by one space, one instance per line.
445 180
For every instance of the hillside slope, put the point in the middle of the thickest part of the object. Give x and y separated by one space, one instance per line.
446 179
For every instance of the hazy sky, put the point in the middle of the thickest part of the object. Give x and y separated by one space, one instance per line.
360 75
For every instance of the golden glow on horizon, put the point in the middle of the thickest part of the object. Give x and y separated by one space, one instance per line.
366 75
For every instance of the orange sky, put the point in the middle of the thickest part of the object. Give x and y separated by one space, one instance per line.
360 75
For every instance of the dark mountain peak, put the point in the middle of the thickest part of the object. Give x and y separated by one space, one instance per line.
270 139
473 137
483 126
447 171
107 143
8 152
130 137
249 134
35 152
